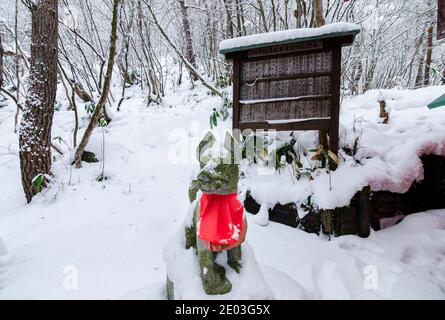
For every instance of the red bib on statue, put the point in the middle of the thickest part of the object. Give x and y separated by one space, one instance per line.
221 219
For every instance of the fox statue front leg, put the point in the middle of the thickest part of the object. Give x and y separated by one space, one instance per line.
213 275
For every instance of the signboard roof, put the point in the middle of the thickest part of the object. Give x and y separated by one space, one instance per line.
288 37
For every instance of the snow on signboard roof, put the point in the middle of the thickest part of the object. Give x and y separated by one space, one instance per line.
288 36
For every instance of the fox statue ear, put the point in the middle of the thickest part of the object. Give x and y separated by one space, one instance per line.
205 144
234 148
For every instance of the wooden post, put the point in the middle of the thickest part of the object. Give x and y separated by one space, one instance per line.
236 97
364 216
335 107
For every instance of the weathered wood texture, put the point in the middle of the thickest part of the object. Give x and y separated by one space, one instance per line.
289 87
301 109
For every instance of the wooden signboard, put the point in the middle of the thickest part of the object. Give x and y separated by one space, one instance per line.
289 86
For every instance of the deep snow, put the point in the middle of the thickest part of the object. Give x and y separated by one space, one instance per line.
111 235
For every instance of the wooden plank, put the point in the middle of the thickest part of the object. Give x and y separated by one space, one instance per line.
287 48
285 99
288 77
335 104
287 66
245 58
236 94
320 86
285 110
304 125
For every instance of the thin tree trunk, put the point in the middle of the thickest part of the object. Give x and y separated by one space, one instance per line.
298 13
188 34
421 69
429 57
17 63
228 18
1 62
263 15
274 15
35 128
181 56
106 88
319 13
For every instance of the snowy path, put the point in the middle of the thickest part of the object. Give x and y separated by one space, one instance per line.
112 234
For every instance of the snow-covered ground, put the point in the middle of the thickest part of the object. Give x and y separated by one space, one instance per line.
83 239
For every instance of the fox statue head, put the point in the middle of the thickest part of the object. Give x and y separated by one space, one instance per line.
219 172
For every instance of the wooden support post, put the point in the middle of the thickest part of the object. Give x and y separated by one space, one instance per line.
236 98
364 216
335 107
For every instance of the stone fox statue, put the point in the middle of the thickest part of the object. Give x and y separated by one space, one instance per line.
218 221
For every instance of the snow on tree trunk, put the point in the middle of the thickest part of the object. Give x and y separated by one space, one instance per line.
35 128
188 35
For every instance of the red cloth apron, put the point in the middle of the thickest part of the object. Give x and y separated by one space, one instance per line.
221 219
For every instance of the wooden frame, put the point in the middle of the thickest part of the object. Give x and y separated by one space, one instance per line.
312 72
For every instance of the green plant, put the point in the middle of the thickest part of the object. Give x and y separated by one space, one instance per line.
214 119
103 122
39 181
287 154
90 108
326 157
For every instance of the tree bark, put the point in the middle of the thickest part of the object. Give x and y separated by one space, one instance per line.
188 34
1 62
262 15
106 89
35 127
429 57
319 13
181 56
228 18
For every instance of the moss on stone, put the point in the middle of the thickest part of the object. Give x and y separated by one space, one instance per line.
170 290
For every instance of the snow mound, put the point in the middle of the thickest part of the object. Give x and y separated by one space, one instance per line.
3 249
183 270
388 157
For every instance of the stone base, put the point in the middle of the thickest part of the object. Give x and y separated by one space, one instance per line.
184 280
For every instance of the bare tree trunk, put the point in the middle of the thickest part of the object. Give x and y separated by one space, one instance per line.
263 15
188 34
319 13
429 57
274 15
106 88
181 56
17 63
228 18
35 128
298 13
421 69
1 62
